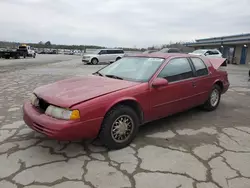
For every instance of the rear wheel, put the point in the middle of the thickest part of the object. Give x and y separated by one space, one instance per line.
214 99
94 61
119 127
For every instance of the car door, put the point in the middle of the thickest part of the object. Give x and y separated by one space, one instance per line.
112 55
203 80
178 95
103 56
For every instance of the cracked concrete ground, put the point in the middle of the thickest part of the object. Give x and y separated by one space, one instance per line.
191 149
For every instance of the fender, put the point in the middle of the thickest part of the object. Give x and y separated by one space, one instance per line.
93 58
217 80
121 100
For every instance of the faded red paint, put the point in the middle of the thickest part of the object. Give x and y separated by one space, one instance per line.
93 96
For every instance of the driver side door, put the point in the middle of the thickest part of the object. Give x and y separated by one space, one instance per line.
179 94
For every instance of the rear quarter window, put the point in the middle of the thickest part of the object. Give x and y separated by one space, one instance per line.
200 67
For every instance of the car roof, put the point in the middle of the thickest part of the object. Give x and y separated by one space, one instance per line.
162 55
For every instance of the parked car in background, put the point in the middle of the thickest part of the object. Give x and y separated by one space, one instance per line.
103 56
207 52
68 52
149 51
114 101
169 50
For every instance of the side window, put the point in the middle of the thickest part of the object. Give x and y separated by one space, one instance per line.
176 70
103 52
209 52
113 51
200 67
110 52
215 52
173 51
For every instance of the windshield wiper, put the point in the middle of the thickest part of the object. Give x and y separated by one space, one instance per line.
99 74
113 76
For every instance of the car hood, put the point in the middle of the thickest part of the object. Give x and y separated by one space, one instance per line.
69 92
90 55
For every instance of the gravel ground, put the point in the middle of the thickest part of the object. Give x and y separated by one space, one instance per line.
192 149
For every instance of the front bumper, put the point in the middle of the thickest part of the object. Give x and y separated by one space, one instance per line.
86 60
60 129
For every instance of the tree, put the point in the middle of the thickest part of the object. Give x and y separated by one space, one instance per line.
48 43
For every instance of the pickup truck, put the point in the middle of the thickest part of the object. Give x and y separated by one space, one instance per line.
22 51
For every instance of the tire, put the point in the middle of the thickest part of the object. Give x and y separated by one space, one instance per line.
209 104
34 56
112 139
94 61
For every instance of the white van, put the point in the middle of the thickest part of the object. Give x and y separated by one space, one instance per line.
103 56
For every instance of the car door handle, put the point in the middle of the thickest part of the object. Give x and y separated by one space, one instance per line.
193 84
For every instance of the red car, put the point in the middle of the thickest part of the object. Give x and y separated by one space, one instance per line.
113 102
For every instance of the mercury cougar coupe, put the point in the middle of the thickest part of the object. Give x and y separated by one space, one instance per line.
113 102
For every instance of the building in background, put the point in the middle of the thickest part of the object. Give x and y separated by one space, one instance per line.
236 48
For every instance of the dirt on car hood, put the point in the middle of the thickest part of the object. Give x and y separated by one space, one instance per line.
69 92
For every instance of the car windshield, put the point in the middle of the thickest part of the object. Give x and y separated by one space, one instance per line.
139 69
199 51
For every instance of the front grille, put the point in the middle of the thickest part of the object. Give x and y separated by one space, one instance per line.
43 105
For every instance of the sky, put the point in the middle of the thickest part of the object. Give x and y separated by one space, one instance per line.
121 23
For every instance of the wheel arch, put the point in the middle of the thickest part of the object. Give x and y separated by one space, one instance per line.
130 102
219 83
94 58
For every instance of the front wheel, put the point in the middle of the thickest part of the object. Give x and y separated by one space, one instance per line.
94 61
214 99
119 127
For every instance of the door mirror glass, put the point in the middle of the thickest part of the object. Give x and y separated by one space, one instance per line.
159 82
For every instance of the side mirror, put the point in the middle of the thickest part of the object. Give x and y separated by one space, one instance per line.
159 82
206 54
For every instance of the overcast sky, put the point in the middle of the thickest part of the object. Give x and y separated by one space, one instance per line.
126 23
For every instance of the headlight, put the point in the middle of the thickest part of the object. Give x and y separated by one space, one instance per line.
61 113
34 100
